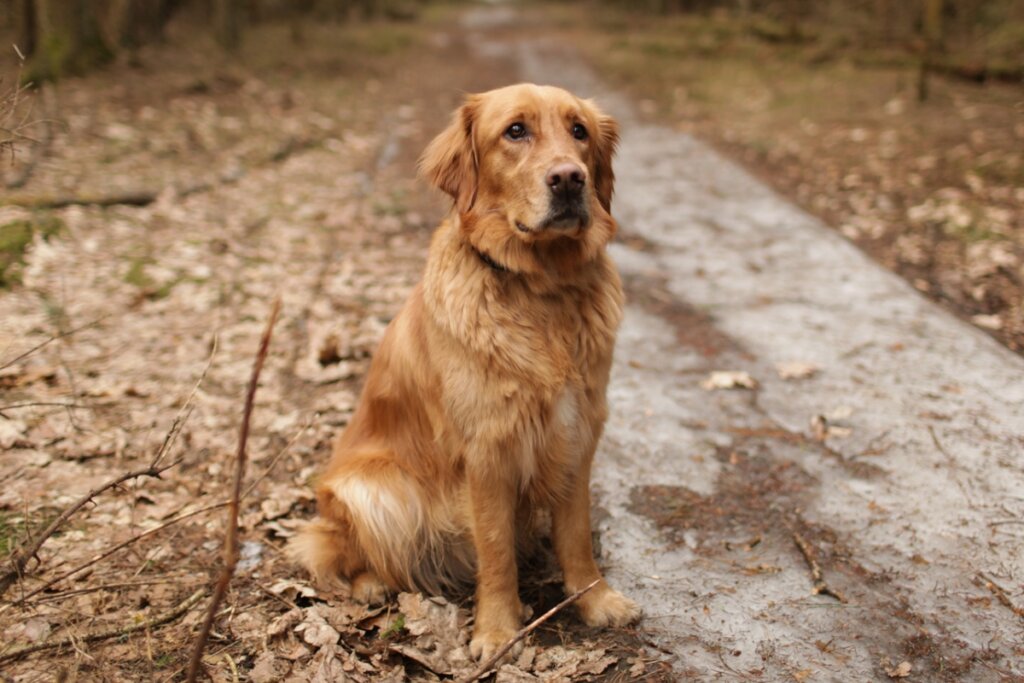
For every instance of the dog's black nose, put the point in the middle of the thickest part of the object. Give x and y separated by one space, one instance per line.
566 179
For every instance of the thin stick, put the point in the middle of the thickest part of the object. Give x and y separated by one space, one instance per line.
1001 595
231 535
157 529
820 587
186 408
21 558
54 338
525 631
121 631
52 404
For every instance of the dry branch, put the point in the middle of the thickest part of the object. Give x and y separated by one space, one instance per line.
1001 595
21 557
525 631
61 335
146 196
820 587
110 551
231 534
145 534
121 631
127 198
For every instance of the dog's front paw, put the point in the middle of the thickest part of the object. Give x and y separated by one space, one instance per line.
486 643
607 607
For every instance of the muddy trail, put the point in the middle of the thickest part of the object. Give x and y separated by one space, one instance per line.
846 504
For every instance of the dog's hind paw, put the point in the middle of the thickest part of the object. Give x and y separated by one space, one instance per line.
367 588
608 608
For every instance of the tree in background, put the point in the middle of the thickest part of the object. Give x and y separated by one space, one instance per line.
63 38
932 33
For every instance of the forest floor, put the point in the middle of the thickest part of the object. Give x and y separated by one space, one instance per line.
183 191
200 188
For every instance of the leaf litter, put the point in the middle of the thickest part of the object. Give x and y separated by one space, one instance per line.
113 325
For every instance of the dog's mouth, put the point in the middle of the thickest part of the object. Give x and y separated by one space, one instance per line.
565 217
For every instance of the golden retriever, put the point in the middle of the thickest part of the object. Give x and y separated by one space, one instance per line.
486 399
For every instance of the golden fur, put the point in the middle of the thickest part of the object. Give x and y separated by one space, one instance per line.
486 399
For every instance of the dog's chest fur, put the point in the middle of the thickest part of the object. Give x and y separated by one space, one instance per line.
524 372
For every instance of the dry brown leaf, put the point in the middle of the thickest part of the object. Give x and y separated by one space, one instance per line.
291 590
267 669
729 379
901 670
796 370
315 630
11 432
513 674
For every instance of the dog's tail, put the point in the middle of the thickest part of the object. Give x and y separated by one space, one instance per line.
327 549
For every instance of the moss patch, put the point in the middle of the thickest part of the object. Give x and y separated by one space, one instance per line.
15 238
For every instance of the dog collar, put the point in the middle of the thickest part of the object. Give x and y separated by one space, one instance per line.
491 263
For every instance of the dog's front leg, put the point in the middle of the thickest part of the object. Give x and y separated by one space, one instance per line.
498 609
570 527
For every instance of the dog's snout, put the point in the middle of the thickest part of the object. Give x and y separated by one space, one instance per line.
565 179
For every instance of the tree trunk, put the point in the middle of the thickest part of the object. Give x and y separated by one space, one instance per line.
23 15
227 23
67 39
932 29
134 23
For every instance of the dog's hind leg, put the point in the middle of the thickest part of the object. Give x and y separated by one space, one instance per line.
387 526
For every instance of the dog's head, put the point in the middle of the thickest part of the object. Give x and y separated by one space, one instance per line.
530 170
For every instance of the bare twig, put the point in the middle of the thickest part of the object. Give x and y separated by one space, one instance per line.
231 534
38 150
11 129
52 404
525 631
178 611
186 409
61 335
145 534
21 557
110 551
820 587
1000 594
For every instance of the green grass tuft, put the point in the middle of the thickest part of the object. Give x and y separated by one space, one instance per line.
15 238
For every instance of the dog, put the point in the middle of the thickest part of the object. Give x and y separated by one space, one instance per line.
485 401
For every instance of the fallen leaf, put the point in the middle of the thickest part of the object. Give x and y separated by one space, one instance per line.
988 322
796 370
290 590
284 623
10 432
729 379
315 630
902 670
266 669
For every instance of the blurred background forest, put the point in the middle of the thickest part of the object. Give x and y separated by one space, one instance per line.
899 122
976 39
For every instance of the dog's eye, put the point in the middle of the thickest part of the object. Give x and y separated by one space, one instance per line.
579 132
516 131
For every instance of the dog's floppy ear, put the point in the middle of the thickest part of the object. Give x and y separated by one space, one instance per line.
607 139
450 162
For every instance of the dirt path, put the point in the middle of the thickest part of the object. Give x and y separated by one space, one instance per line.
906 495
